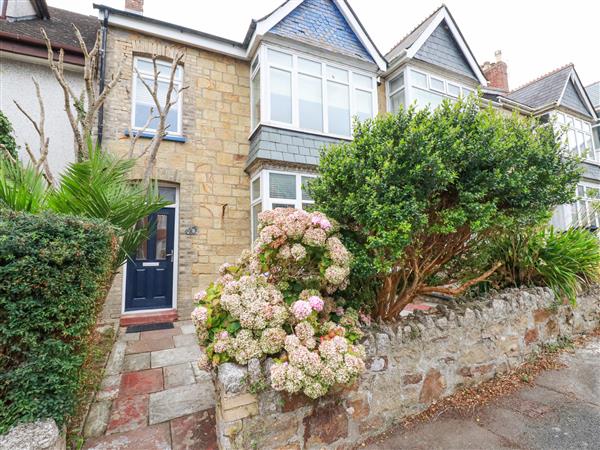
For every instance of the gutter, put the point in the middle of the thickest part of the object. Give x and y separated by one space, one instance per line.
102 80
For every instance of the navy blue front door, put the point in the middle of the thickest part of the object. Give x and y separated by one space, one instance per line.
150 270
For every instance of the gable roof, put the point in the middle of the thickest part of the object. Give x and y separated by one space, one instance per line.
23 36
268 23
411 45
320 23
561 87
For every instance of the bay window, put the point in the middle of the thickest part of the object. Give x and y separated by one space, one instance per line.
584 212
143 105
425 89
272 189
302 93
578 136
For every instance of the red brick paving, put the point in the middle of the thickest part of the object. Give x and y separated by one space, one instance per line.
128 414
141 382
196 431
155 437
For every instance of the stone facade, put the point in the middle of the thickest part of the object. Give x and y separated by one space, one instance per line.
411 364
208 168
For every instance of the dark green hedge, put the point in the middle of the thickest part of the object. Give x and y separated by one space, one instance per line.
54 271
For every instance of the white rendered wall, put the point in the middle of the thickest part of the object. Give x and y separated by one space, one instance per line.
16 84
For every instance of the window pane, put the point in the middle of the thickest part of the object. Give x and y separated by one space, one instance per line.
281 95
282 205
467 92
425 98
282 186
560 117
580 190
255 63
588 145
333 73
419 79
397 101
168 193
581 144
142 251
256 209
145 106
256 189
578 124
311 102
161 236
256 99
586 127
453 90
572 142
279 58
437 85
397 82
305 193
338 108
163 68
309 67
364 105
362 81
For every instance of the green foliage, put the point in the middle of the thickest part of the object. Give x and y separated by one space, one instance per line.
100 188
22 188
565 261
7 140
433 182
54 272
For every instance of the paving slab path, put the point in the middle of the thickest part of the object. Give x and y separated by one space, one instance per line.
153 395
561 410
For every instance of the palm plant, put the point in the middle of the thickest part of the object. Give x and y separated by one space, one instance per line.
100 188
22 188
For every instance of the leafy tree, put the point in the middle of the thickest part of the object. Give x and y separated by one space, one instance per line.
416 190
7 140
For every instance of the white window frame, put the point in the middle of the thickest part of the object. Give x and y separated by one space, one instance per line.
591 218
409 97
569 123
267 202
265 104
177 83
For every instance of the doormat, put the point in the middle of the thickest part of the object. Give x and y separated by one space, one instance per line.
149 327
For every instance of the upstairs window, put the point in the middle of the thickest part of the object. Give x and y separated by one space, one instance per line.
410 86
578 137
143 104
302 93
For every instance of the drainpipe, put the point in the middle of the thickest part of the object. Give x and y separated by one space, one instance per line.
101 81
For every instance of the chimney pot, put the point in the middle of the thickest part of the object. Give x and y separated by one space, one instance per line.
135 6
498 55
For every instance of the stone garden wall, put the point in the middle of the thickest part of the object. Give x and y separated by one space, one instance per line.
411 364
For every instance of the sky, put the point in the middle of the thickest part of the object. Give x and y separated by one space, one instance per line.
535 36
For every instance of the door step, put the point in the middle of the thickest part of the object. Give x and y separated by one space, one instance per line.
149 327
148 318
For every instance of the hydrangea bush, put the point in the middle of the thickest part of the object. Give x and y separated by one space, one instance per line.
282 299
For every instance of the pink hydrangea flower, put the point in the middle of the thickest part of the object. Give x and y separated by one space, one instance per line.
200 295
301 309
316 303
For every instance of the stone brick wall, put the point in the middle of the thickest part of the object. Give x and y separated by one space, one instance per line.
208 168
410 364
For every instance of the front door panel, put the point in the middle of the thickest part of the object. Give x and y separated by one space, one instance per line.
150 270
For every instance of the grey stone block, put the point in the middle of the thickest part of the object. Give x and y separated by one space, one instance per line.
180 401
138 361
179 375
97 419
173 356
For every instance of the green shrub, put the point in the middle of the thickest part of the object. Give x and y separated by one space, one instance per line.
22 188
54 271
7 140
418 189
565 261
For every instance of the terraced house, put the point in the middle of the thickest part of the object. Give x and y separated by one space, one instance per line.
245 136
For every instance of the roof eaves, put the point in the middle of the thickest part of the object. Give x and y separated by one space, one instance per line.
169 25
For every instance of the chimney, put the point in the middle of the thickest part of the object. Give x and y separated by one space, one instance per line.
496 73
135 6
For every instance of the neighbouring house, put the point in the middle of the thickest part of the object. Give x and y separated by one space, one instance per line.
245 136
560 96
23 56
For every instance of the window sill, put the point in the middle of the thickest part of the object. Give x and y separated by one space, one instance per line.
150 135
